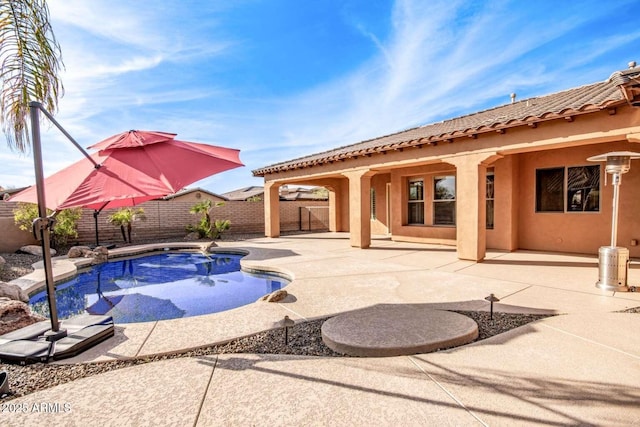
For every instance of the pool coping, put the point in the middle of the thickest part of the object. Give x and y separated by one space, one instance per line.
64 268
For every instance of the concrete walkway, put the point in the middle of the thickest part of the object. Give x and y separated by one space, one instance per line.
579 368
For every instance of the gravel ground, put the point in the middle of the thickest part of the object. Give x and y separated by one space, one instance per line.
305 339
17 265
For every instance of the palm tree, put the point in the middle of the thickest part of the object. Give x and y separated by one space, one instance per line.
31 59
124 219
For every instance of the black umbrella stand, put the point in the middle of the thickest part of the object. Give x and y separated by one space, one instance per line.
96 212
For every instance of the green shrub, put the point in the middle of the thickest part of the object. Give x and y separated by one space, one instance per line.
64 226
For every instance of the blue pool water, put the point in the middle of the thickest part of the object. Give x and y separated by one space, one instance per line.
159 287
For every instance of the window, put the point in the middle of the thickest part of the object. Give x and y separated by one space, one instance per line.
444 200
549 189
372 195
416 202
580 192
490 199
583 189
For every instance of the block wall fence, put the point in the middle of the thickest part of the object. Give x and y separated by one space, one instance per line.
167 219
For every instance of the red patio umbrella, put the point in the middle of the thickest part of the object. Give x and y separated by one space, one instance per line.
131 168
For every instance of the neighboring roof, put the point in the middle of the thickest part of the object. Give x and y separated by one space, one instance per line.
193 190
297 195
244 193
301 193
286 193
6 192
567 103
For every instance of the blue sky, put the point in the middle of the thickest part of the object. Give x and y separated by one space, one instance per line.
280 79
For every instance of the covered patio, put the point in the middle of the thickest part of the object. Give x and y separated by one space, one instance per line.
512 177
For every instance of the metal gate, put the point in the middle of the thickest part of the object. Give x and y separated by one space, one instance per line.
313 218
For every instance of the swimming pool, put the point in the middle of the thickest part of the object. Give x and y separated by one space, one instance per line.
159 287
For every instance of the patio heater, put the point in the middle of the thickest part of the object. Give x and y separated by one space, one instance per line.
613 261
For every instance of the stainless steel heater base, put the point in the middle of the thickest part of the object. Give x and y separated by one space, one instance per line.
613 266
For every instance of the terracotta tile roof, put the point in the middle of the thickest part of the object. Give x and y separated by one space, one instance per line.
567 103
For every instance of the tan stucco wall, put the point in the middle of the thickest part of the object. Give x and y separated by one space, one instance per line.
379 225
504 235
514 154
578 232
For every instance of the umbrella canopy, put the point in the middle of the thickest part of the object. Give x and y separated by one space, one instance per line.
133 167
133 138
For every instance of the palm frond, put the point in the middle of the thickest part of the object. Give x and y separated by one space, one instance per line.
30 58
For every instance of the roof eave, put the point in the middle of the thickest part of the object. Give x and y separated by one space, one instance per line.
434 140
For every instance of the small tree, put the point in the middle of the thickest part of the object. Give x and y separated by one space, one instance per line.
64 227
205 228
124 219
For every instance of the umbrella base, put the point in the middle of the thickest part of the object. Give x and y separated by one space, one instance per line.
55 335
32 344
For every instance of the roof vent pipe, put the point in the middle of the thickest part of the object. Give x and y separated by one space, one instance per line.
513 97
632 64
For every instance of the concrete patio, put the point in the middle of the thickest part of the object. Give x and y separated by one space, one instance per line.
579 368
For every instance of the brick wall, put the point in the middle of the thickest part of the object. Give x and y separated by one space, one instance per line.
6 209
168 219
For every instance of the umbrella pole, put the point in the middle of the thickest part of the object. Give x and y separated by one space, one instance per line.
95 220
41 226
96 212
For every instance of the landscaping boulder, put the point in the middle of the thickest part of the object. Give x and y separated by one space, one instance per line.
275 296
192 237
36 250
100 254
13 292
15 315
79 252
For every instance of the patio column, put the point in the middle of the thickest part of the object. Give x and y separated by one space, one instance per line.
271 209
359 205
333 211
471 175
335 188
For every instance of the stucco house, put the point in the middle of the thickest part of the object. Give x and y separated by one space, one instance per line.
511 177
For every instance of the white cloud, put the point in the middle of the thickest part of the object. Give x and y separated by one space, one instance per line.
143 65
442 58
